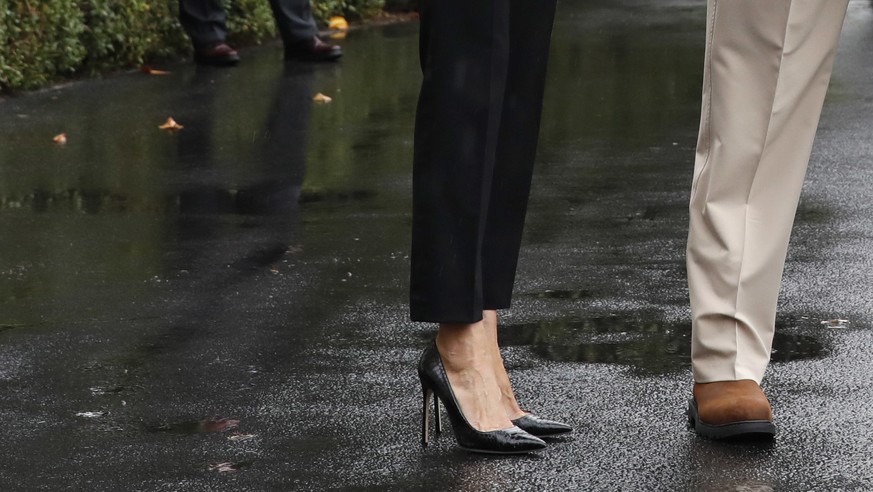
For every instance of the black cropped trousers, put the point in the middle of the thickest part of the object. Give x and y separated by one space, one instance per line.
476 129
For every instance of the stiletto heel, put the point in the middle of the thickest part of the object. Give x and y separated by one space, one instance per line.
434 380
425 412
438 424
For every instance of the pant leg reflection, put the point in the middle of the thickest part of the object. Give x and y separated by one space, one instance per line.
284 150
222 244
274 182
268 186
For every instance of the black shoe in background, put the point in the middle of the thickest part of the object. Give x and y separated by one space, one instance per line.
314 50
218 54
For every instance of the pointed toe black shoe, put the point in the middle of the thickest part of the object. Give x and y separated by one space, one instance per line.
435 382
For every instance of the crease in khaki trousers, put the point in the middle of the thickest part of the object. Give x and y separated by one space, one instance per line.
767 68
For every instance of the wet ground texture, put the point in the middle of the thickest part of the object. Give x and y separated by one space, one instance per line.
222 307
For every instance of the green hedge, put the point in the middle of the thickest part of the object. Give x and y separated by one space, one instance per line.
401 5
353 9
42 41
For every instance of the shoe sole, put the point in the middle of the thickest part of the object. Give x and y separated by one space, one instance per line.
551 434
745 429
502 453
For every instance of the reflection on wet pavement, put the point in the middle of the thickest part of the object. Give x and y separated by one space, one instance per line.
651 347
106 390
563 294
205 426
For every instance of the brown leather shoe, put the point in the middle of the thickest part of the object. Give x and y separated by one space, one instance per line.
216 54
313 49
728 409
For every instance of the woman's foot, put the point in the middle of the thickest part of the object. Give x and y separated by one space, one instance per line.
468 360
507 396
435 383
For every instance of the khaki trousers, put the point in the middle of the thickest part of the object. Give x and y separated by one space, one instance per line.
767 69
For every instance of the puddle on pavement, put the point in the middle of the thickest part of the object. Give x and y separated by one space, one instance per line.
339 197
9 327
653 347
192 427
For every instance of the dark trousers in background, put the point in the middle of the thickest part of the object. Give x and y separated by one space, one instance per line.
484 67
205 20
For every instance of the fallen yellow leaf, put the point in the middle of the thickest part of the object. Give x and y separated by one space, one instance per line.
321 98
338 23
171 125
151 71
60 139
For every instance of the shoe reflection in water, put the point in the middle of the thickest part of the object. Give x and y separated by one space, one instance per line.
484 67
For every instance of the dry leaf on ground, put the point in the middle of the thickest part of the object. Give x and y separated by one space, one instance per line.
338 22
151 71
171 125
321 98
60 139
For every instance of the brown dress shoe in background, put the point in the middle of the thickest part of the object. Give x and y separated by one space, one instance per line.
217 54
314 50
731 409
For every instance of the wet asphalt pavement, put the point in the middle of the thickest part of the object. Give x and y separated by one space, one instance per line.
223 307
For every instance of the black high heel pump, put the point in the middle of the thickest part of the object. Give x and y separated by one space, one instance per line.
435 382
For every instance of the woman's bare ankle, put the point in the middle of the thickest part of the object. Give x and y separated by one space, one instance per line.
467 359
507 395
